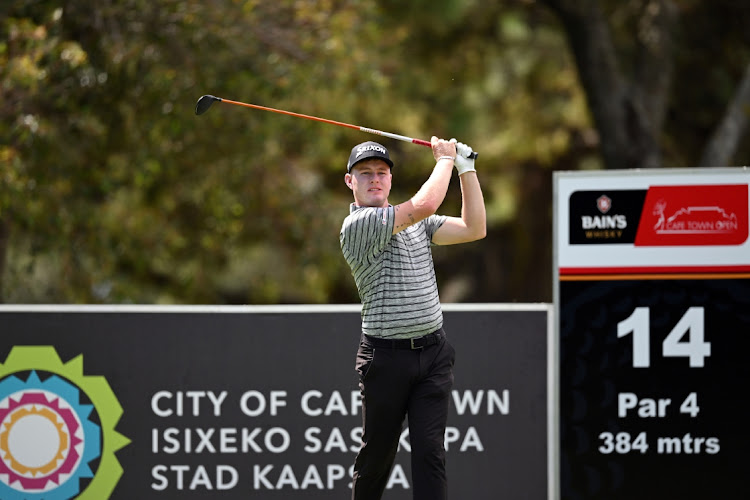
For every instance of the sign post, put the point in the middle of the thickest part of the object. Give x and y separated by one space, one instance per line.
652 298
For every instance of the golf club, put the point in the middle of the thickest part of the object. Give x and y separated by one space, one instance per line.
206 101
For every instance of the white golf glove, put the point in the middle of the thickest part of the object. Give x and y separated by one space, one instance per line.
463 163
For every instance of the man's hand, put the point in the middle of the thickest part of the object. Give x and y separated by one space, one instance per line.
463 162
442 148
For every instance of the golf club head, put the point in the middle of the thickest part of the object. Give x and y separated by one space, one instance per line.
204 103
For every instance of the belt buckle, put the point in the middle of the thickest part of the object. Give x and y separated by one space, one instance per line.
415 346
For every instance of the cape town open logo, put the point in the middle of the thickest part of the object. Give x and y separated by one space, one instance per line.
54 444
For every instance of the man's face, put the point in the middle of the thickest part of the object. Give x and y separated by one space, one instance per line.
370 181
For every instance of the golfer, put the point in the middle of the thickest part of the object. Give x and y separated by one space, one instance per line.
404 361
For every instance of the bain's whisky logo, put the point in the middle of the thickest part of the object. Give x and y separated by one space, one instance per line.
603 225
598 217
604 203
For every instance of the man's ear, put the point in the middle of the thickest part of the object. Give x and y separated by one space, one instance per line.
348 180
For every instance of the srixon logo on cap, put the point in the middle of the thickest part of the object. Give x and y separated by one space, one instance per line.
370 147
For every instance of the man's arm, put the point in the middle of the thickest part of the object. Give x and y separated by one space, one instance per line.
432 193
472 225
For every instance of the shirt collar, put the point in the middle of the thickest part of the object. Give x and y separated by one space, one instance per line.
353 208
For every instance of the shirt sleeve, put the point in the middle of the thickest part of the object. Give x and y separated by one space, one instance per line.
366 232
433 223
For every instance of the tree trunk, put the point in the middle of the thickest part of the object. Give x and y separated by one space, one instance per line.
723 143
628 110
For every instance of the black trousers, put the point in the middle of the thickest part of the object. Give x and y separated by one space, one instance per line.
396 381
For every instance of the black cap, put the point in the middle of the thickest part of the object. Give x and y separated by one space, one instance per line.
367 150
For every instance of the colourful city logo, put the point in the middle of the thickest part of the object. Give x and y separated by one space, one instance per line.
57 429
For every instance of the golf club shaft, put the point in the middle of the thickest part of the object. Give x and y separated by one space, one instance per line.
333 122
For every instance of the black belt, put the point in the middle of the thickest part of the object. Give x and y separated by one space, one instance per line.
413 343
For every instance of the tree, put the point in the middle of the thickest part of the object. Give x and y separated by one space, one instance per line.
629 57
617 101
114 191
117 192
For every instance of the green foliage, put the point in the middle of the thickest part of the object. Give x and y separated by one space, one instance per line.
114 191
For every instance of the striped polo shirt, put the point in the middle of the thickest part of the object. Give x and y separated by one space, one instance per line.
394 273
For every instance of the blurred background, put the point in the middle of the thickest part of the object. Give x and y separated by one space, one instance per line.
113 191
